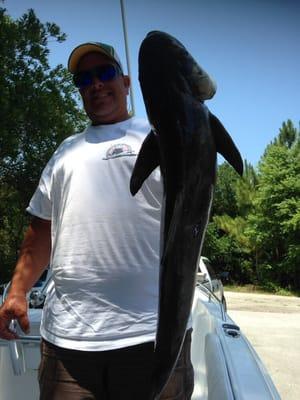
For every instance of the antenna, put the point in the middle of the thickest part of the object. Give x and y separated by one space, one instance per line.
127 54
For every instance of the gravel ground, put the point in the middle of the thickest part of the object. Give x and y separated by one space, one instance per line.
272 325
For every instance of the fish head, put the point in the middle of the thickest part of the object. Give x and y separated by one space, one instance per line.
167 69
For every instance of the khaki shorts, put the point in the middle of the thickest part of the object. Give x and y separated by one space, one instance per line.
122 374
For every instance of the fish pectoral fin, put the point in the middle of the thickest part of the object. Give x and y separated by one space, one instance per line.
225 144
147 161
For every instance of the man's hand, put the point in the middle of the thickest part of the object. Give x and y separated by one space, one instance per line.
14 307
34 258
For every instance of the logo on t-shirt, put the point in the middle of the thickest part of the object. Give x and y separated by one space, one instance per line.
119 150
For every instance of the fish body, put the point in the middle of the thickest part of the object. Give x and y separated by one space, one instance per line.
184 142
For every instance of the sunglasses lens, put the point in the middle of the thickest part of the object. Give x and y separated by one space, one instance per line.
106 73
82 79
103 73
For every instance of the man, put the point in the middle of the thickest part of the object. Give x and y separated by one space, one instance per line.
99 319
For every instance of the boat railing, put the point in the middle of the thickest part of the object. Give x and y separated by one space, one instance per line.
212 295
16 347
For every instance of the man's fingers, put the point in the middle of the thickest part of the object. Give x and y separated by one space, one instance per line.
7 315
7 334
24 323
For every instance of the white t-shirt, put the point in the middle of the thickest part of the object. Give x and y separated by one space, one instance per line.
105 243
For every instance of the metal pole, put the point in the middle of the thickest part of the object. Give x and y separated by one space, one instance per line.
127 53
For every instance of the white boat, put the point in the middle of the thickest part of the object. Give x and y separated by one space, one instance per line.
226 365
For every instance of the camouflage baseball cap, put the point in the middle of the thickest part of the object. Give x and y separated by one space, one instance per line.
90 47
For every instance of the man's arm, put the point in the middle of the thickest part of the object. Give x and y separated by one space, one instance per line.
34 258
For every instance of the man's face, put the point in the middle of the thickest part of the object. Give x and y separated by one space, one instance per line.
104 102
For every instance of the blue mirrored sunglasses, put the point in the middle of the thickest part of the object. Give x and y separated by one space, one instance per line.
104 73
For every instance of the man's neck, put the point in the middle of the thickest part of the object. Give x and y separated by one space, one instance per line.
110 122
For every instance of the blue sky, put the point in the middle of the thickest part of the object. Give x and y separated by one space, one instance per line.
250 47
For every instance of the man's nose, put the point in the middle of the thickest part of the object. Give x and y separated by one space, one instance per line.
97 83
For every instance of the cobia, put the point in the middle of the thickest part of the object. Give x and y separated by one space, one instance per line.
184 142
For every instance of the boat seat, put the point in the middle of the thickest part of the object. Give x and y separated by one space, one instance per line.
218 382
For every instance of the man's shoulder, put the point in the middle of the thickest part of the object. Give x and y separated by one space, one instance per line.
71 140
76 137
66 146
139 129
140 124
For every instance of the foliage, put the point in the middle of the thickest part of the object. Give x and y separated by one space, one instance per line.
38 109
225 199
230 225
276 221
227 255
255 228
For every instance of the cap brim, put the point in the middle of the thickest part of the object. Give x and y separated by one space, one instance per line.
83 49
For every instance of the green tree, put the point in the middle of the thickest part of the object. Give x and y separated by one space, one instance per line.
38 109
227 243
255 229
288 134
225 201
275 221
235 225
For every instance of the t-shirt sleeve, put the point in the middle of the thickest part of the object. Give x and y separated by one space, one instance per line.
40 204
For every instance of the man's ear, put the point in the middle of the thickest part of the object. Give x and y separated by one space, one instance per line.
126 81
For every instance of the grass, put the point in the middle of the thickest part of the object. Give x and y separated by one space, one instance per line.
250 288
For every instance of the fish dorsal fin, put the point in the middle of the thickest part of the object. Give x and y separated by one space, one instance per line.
147 161
225 144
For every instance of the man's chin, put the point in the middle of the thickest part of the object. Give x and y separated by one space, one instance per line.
107 115
99 119
101 114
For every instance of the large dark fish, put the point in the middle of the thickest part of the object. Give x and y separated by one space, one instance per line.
184 141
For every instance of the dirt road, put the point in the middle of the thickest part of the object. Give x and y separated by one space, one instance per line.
272 325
